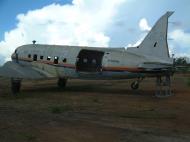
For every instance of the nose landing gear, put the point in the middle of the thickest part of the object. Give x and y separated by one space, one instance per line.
15 86
62 83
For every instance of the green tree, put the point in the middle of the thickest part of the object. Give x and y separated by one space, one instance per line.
180 61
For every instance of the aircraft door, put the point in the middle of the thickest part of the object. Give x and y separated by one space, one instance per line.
89 61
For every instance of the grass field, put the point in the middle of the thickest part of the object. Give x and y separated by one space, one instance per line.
95 111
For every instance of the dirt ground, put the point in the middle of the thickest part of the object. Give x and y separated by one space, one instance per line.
94 111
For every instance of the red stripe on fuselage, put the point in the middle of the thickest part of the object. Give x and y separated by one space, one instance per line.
119 68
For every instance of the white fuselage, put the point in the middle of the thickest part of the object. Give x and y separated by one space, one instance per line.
81 62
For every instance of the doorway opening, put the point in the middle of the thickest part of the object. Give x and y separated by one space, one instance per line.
89 61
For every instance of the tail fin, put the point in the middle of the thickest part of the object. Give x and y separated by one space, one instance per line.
155 43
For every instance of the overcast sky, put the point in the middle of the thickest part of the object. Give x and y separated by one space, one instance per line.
115 23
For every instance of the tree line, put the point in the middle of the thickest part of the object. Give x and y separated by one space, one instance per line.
181 61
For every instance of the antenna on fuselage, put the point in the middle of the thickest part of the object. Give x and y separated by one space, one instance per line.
34 42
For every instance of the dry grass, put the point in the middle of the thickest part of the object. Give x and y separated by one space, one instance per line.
94 111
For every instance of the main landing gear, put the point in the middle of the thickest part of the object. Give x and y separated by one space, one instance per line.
135 84
15 86
163 86
62 83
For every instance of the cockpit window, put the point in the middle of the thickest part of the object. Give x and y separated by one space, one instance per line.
16 51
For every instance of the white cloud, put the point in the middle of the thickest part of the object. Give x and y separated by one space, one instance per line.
180 43
143 25
82 23
180 37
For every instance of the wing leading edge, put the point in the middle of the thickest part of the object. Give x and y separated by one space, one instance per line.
14 70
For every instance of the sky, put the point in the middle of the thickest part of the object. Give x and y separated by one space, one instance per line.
105 23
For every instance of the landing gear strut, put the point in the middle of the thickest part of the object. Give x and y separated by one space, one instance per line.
163 86
135 84
15 86
62 83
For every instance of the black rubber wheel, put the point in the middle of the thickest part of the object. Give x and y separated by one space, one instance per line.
15 86
62 82
135 85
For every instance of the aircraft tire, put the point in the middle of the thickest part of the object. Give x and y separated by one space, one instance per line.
15 86
62 82
135 85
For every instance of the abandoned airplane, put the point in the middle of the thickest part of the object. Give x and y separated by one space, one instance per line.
149 59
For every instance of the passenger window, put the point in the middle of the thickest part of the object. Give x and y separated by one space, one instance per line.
94 61
85 60
48 58
41 57
56 59
64 60
35 57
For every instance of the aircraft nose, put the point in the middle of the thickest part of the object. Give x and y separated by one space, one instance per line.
13 56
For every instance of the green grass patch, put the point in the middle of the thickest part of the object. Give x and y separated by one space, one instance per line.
57 109
188 82
27 137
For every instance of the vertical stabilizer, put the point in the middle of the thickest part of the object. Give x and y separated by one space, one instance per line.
155 43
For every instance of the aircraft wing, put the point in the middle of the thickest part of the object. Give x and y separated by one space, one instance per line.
153 65
14 70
